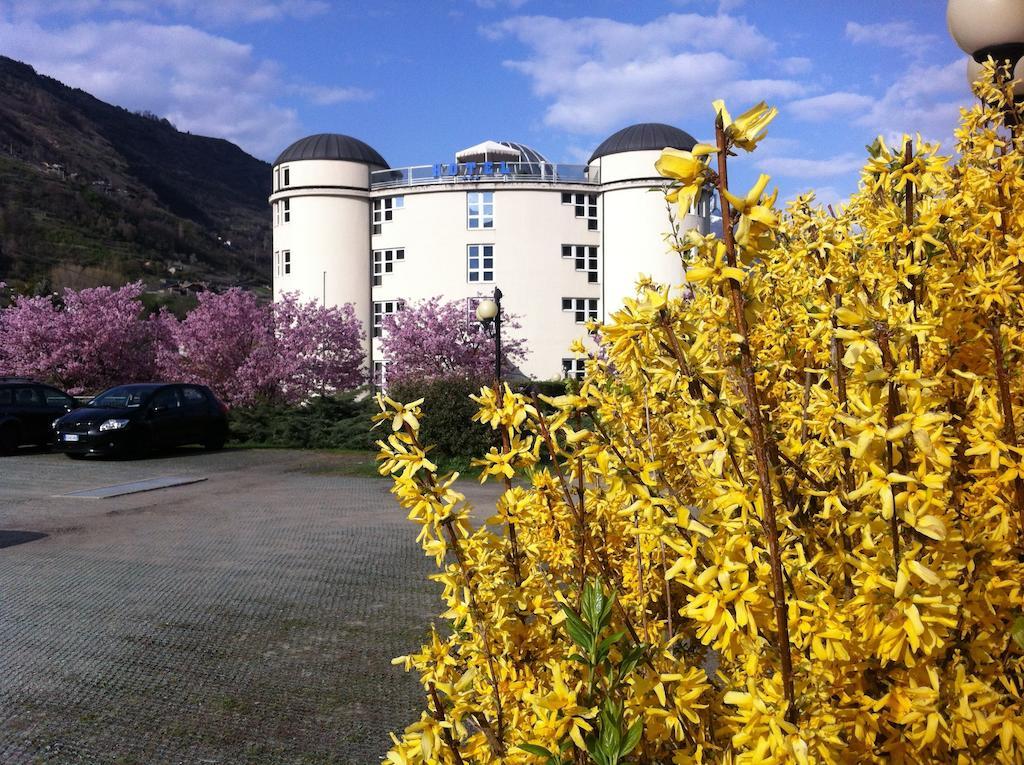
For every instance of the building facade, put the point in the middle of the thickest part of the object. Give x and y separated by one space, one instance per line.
565 243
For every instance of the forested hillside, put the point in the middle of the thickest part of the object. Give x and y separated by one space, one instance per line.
91 194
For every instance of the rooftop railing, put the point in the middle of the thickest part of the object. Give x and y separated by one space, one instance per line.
475 172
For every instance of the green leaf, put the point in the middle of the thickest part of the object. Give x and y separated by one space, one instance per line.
595 751
606 610
591 603
611 640
578 631
631 659
632 737
537 750
1017 631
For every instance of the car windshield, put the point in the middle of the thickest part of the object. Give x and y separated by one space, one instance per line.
121 398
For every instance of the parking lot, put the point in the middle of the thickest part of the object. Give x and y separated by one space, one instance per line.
248 617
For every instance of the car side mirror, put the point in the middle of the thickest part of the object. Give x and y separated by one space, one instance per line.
157 409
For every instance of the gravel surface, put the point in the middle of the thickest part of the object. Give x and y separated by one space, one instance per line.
248 618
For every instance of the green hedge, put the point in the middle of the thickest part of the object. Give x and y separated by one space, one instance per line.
342 421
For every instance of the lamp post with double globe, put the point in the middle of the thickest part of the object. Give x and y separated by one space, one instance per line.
488 313
989 28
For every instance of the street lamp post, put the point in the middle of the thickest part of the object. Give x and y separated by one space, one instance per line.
989 28
488 313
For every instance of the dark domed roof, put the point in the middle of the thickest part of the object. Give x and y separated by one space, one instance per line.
644 137
331 146
525 152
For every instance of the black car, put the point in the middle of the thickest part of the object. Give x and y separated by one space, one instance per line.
26 410
131 420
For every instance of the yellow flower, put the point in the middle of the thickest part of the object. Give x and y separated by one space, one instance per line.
718 270
747 130
688 169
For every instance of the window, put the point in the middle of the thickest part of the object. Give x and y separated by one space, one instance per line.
380 310
480 263
193 396
384 210
277 178
166 399
384 263
55 398
585 259
286 260
286 175
574 368
480 209
380 374
277 263
584 309
27 397
585 206
286 210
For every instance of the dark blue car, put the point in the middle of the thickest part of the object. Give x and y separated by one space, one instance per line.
133 420
27 409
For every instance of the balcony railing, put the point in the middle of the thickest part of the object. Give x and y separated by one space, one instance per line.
475 172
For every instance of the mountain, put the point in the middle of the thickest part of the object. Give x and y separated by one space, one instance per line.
91 194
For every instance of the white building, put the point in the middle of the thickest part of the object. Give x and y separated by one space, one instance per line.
565 243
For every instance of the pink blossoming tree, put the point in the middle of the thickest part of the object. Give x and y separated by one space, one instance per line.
247 351
435 339
319 349
86 341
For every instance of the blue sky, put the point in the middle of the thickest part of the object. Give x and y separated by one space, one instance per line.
421 80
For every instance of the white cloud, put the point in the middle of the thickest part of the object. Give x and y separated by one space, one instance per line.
800 167
924 99
498 3
829 106
203 83
900 35
322 95
215 12
795 65
599 74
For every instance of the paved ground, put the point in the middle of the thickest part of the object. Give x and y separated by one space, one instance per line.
249 618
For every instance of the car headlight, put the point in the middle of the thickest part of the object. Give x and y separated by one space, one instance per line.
54 423
113 425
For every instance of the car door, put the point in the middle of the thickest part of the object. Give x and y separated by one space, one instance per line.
196 413
56 403
165 417
31 411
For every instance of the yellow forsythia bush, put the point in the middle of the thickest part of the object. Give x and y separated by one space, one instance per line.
782 521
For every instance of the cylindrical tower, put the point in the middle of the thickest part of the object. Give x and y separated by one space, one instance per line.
322 219
635 221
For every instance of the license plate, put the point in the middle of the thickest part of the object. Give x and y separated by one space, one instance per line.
70 437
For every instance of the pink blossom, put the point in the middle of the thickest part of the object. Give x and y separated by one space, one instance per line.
97 338
434 339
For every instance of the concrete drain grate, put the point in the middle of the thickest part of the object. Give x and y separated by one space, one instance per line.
135 487
12 538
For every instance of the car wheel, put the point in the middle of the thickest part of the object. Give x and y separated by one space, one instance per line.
8 440
215 443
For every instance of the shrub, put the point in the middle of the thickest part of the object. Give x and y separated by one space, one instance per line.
448 413
793 531
339 421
